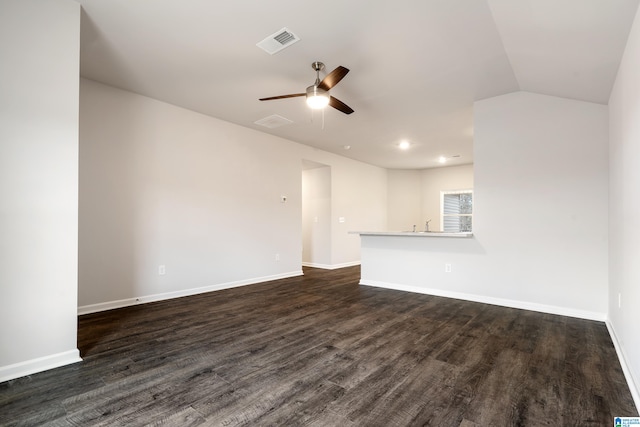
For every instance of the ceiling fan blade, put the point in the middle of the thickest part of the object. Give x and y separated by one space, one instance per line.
293 95
339 105
333 78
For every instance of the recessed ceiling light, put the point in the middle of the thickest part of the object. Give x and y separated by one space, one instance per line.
347 147
404 145
444 159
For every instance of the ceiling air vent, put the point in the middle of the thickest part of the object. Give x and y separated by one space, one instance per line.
278 41
273 121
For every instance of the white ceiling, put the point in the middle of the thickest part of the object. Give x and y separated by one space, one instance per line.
416 66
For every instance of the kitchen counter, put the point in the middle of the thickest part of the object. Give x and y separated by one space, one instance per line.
434 263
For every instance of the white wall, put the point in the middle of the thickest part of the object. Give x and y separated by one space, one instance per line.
539 212
161 185
434 181
404 198
39 47
624 208
359 197
540 199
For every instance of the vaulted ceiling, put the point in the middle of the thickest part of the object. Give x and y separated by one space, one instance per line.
416 66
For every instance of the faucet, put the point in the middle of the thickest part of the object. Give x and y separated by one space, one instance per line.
426 225
414 228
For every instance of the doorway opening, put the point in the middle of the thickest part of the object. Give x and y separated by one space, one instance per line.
316 214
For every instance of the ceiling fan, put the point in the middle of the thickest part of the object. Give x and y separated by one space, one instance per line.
318 93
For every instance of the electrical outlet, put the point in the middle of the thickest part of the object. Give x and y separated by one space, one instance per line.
619 300
447 268
161 270
277 257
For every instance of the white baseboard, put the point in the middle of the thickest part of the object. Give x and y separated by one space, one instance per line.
330 266
40 364
110 305
628 374
542 308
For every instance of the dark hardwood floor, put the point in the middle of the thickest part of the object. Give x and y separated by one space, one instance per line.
320 350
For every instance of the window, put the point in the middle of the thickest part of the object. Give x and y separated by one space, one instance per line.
457 211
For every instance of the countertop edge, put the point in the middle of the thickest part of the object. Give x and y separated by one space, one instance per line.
412 234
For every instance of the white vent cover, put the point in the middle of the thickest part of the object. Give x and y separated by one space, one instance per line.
273 121
278 41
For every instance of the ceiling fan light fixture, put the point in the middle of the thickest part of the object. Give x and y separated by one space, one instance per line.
318 94
317 98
